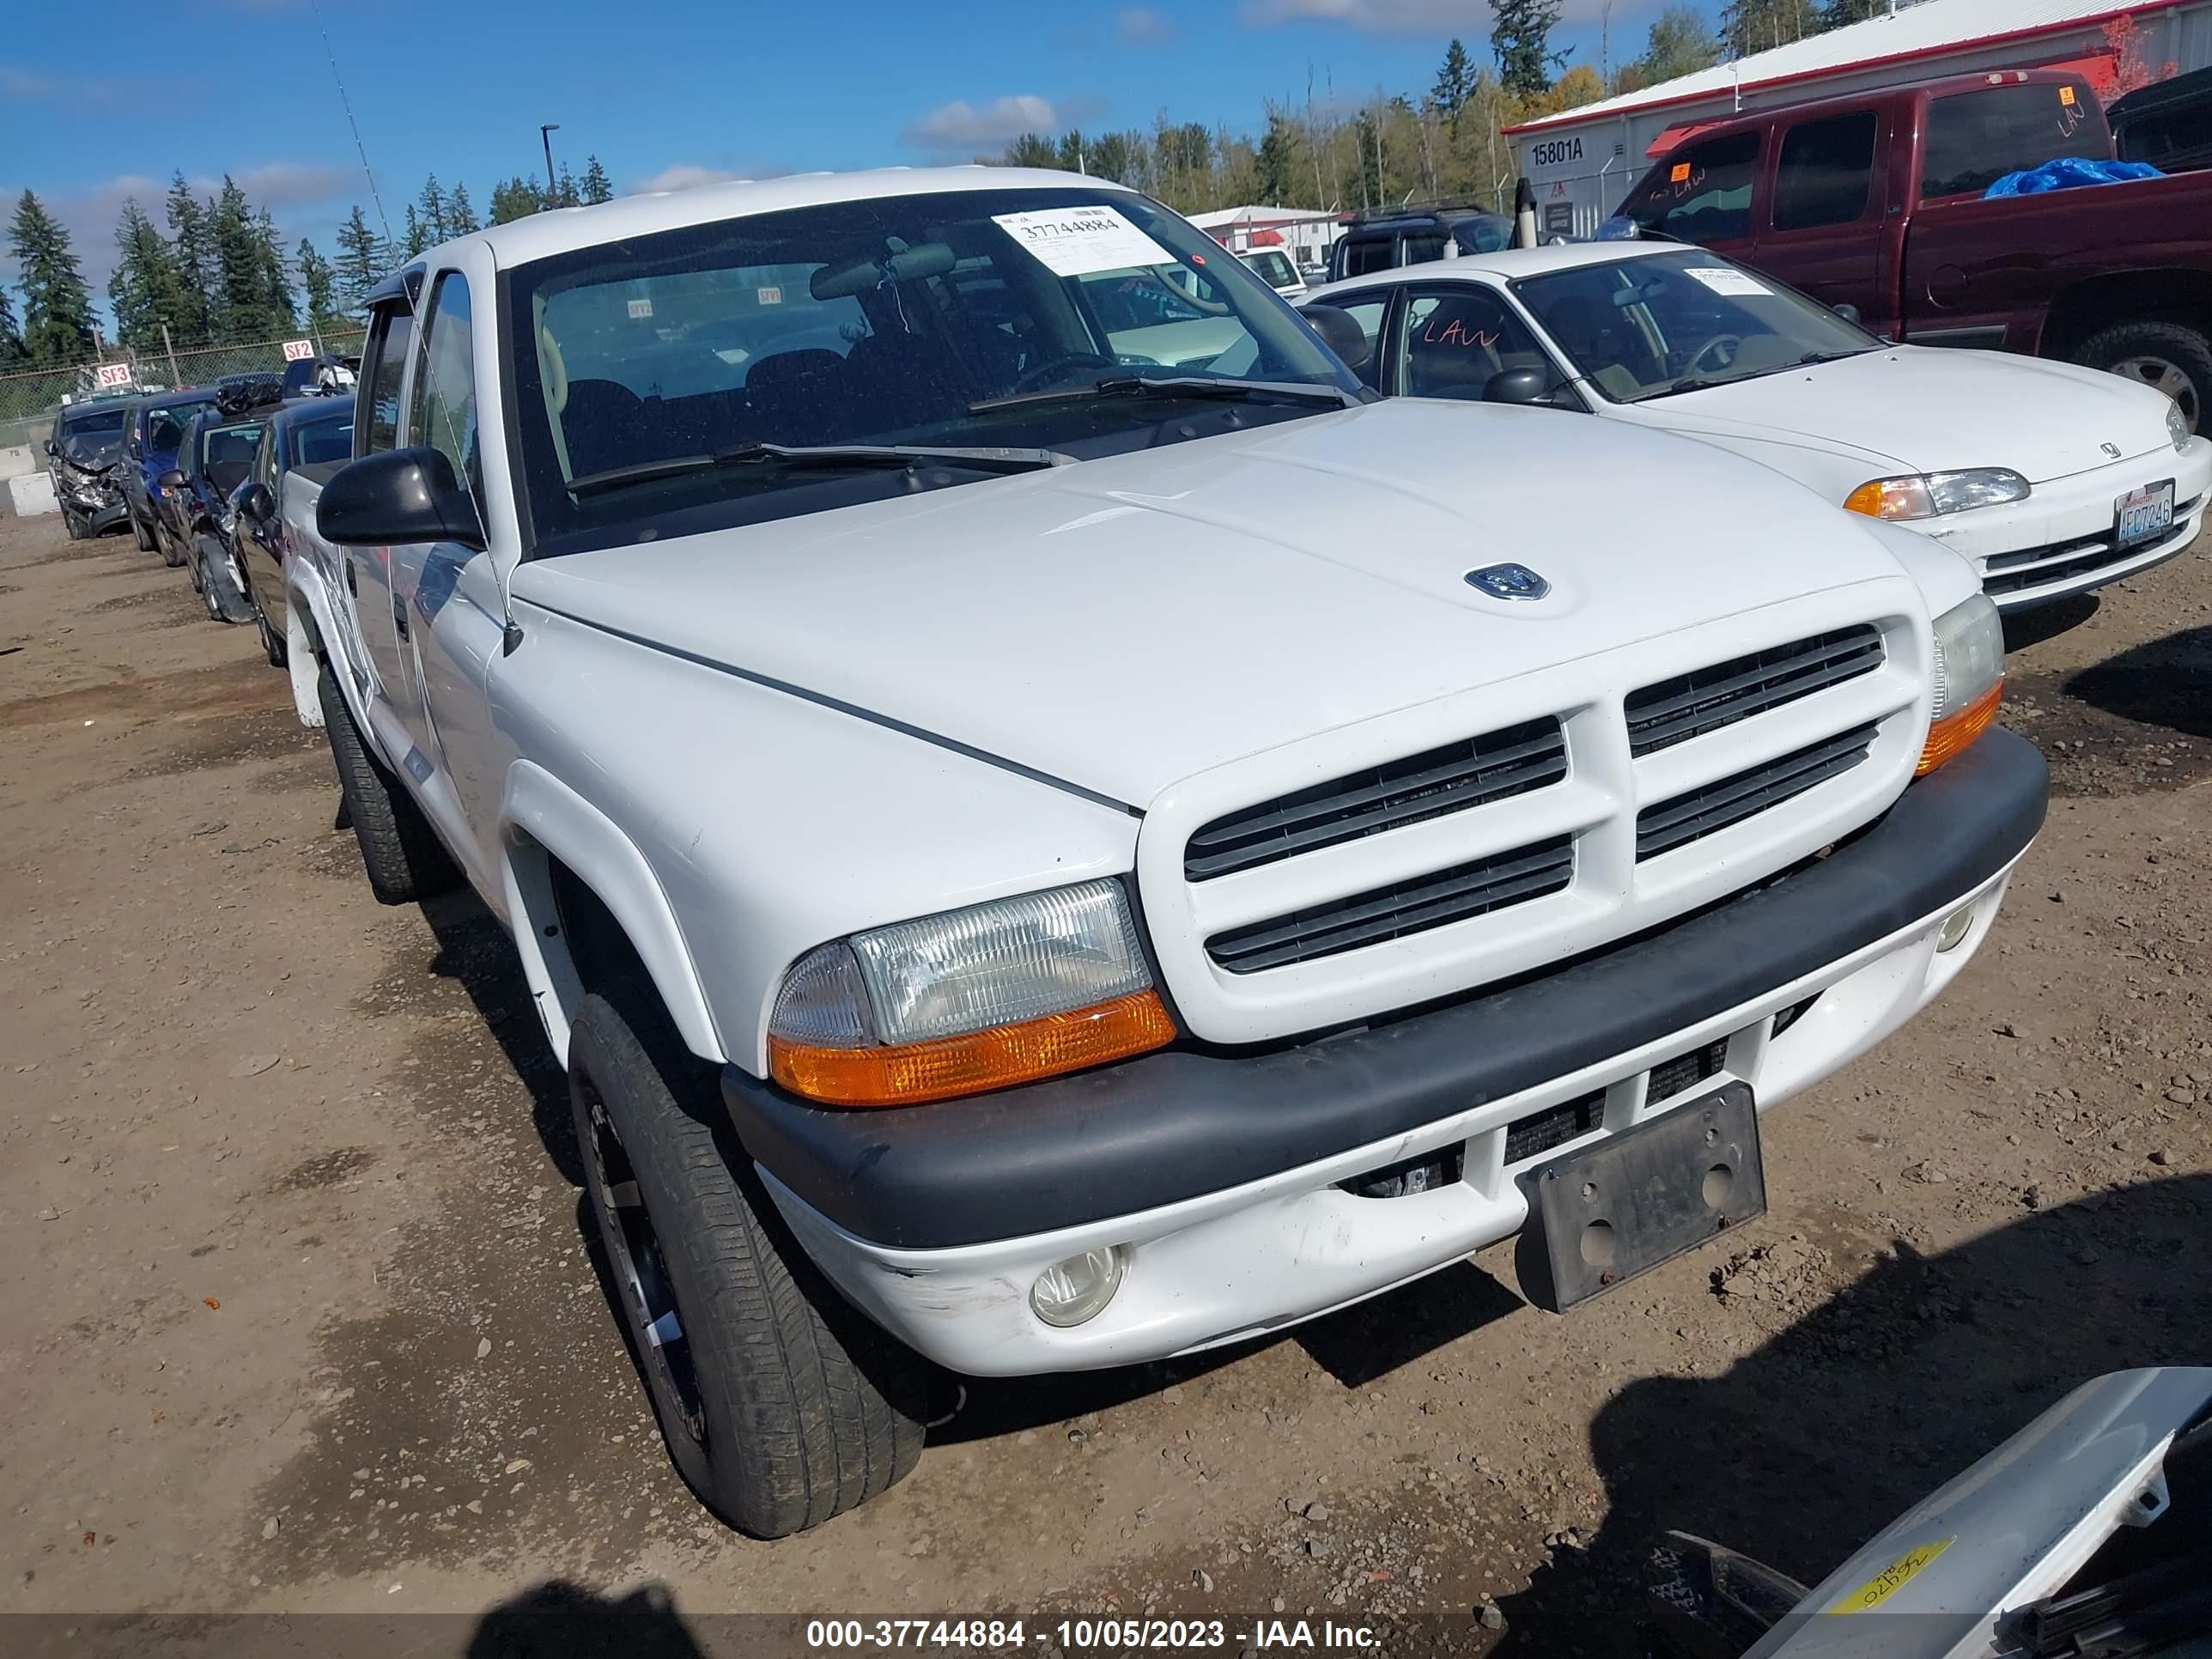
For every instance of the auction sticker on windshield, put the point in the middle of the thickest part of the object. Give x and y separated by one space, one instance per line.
1726 279
1076 241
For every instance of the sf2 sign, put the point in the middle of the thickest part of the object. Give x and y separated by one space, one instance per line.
298 350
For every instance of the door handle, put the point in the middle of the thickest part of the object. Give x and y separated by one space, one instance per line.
399 617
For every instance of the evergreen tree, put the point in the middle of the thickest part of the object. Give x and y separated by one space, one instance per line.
1679 43
193 251
56 308
1520 41
1455 80
1032 150
515 198
597 187
461 213
281 312
431 213
1112 157
1839 14
566 194
1749 26
361 262
319 282
146 290
417 237
1074 152
11 336
240 300
1277 167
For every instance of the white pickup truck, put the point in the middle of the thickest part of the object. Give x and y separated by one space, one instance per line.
1038 854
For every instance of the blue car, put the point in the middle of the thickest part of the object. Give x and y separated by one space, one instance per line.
152 431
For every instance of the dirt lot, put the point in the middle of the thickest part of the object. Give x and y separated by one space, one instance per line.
299 1315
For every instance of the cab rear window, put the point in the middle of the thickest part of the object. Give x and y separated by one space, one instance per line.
1974 139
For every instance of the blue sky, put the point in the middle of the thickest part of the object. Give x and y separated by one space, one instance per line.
662 91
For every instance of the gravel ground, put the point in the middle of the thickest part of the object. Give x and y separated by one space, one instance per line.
299 1314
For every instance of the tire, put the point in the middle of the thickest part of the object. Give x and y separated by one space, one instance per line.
140 534
2172 357
226 601
779 1405
402 854
274 645
172 555
75 527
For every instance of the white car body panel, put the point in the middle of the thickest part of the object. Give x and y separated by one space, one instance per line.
2082 438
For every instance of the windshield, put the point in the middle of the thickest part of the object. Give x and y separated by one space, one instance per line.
1646 327
920 321
322 440
100 422
165 427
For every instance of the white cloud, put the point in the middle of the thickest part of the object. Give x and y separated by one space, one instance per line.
683 176
1140 26
959 125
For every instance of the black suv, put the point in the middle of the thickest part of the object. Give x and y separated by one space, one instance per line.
1414 237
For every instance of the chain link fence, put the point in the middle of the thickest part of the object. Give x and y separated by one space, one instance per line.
28 402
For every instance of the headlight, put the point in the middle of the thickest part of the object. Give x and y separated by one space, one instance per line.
2177 426
1926 495
1969 673
998 993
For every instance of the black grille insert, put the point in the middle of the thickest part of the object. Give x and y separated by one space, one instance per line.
1555 1126
1470 773
1435 900
2090 553
1706 699
1714 807
1670 1077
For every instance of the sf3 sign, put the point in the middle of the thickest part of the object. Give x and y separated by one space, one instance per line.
108 375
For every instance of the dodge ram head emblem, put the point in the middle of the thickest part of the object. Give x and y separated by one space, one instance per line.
1508 581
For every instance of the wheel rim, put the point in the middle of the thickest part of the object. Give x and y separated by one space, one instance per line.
2163 374
641 1273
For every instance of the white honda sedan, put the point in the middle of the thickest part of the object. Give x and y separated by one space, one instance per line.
2053 479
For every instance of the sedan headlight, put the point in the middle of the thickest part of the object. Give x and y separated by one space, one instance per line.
998 993
1927 495
1969 673
2177 426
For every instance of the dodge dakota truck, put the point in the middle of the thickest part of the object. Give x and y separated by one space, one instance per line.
1877 201
1037 857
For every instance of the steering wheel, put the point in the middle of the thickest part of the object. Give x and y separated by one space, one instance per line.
1032 380
1733 342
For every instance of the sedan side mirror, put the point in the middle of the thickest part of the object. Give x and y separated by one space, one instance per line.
53 448
1341 332
171 479
1850 313
399 496
1518 385
257 503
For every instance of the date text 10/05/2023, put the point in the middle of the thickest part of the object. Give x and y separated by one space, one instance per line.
1070 1635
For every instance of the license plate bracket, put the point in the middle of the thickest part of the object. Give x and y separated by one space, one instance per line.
1599 1216
2143 515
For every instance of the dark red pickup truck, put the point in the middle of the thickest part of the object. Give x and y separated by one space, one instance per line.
1876 201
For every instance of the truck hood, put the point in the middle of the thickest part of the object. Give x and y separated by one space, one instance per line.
1914 409
1125 623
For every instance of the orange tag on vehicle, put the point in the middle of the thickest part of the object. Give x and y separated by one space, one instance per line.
1682 172
2066 96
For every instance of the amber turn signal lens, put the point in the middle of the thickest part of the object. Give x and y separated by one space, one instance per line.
1950 735
941 1069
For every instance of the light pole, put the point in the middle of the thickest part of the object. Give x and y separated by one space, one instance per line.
545 131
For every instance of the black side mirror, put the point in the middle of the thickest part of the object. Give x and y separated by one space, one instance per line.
257 503
171 479
1850 313
1341 332
1518 385
399 496
53 448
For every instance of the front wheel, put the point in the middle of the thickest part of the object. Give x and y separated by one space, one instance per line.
2169 358
779 1405
274 646
403 857
218 583
173 554
142 534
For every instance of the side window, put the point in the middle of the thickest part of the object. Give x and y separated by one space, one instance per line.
2173 139
1825 173
1457 338
1368 311
1422 248
443 412
1974 139
1702 194
386 360
1369 253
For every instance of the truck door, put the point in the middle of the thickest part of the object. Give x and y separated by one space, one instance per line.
448 606
1823 230
1703 193
368 570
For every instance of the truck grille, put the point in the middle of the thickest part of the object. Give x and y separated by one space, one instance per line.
1472 773
1467 890
1706 699
1714 807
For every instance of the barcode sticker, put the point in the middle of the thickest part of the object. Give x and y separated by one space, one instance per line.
640 307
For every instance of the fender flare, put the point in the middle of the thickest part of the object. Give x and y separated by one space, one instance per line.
305 589
538 808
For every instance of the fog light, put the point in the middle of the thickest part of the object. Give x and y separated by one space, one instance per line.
1068 1292
1956 926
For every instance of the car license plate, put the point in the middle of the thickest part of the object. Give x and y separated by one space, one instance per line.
2143 515
1599 1216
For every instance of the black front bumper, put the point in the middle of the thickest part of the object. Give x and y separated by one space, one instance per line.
1183 1122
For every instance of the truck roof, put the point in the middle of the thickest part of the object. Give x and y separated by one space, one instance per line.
562 230
1872 97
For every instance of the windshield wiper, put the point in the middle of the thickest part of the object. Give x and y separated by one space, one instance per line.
823 458
1177 386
